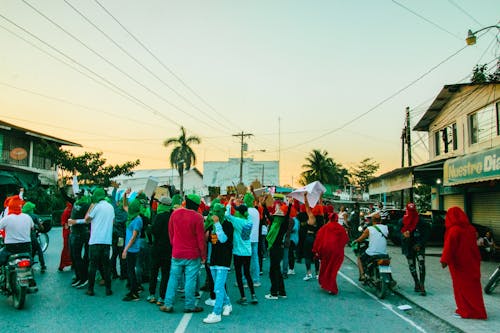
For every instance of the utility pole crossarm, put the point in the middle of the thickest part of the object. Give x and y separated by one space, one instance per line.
242 137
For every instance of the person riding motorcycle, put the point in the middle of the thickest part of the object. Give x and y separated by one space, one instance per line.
377 241
17 226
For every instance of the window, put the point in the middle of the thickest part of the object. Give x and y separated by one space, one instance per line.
445 140
483 124
498 117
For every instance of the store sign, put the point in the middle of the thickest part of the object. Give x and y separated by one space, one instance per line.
476 167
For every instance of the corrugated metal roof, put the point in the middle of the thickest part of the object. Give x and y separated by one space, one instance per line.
28 132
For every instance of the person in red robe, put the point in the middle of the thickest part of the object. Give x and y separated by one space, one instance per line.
329 248
461 255
65 253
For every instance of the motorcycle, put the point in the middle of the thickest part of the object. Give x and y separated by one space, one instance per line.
378 272
16 277
493 281
42 235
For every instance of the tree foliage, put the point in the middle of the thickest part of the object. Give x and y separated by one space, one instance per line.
90 168
182 155
364 172
319 166
480 74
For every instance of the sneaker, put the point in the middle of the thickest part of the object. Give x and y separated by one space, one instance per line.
151 299
76 283
261 273
212 318
269 296
160 301
140 289
242 301
130 297
210 302
82 284
308 277
257 284
316 276
254 299
282 296
291 271
227 309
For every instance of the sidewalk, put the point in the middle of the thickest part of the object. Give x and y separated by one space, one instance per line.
439 300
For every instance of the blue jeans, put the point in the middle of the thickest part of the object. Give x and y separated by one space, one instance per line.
191 267
254 263
219 274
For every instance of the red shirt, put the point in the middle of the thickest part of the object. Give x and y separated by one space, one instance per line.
187 234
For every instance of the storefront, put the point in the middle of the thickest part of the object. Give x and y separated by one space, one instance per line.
473 183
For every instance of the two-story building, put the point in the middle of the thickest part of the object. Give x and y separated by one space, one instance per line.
463 127
21 161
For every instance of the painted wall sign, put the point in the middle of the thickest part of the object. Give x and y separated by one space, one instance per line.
18 154
477 167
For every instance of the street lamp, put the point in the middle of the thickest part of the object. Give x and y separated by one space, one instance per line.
471 36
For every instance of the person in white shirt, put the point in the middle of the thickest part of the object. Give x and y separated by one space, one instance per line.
17 227
377 240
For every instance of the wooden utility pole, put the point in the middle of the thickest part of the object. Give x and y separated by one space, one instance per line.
408 147
242 136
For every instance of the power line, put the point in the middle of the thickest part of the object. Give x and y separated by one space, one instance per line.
427 20
114 66
162 64
141 64
385 100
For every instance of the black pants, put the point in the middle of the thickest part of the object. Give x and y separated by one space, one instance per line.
36 249
308 255
277 283
99 259
132 277
239 263
159 262
80 263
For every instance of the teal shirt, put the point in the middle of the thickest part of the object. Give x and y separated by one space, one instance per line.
240 247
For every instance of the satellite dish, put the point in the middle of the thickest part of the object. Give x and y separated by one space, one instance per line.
18 154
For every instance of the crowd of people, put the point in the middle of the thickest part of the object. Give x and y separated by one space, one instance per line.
139 238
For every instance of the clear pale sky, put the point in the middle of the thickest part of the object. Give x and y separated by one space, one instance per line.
298 75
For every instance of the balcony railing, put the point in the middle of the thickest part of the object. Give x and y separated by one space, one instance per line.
38 162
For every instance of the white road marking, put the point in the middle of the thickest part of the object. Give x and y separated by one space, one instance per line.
186 318
387 306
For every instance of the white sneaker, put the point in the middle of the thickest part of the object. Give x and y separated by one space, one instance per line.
291 271
308 277
212 318
227 309
257 284
269 296
210 302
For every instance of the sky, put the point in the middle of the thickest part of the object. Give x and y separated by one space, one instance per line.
120 77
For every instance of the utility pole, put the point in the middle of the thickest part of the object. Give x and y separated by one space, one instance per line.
242 137
408 147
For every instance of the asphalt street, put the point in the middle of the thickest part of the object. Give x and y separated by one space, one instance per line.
58 307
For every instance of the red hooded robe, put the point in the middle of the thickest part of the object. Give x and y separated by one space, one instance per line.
329 248
65 253
461 253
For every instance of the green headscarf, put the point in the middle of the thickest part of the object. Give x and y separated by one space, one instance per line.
28 208
98 195
134 209
218 210
249 200
176 200
85 199
163 208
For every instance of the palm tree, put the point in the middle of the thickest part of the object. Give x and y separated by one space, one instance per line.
182 156
318 167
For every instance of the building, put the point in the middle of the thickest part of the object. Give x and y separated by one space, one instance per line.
21 160
227 174
193 180
463 126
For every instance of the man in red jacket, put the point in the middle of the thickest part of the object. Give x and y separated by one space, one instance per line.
187 236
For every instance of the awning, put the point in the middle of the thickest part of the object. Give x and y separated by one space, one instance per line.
395 180
478 167
28 180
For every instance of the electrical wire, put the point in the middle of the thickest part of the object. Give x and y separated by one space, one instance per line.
137 61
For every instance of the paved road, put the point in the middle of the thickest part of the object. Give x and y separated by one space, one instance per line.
57 307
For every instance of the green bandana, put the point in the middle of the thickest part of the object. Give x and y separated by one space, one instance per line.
249 200
134 209
29 208
163 208
176 200
98 195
